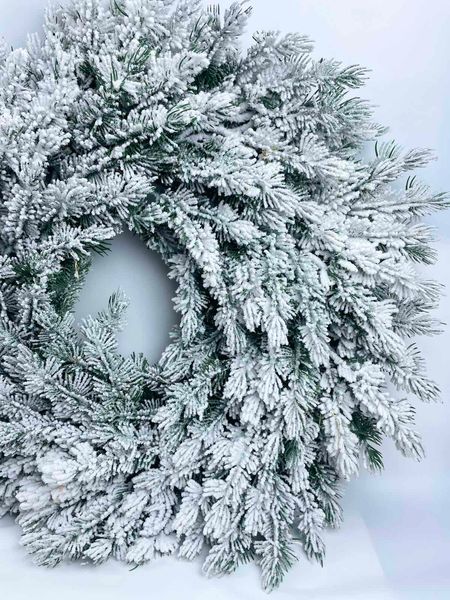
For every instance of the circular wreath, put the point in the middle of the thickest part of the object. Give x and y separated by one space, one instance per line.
294 260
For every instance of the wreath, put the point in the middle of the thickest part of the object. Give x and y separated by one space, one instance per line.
296 289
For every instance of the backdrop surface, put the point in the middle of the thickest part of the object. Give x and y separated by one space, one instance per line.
396 540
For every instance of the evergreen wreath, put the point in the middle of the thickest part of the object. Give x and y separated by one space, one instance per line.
297 293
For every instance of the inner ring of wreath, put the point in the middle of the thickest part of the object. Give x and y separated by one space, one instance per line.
181 251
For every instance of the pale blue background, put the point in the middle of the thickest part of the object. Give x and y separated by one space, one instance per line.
401 546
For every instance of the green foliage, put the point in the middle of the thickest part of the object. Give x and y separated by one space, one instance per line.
370 437
65 285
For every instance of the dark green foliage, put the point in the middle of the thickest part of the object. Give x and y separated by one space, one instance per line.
65 285
370 437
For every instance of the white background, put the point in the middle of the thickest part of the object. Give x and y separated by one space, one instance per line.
396 539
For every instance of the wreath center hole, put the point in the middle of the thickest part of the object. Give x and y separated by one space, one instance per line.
142 275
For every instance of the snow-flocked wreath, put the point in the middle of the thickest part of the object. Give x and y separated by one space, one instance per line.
297 293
